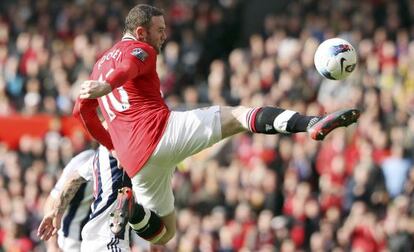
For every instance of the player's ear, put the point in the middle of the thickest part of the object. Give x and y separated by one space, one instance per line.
141 33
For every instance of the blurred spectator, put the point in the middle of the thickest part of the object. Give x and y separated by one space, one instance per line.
395 170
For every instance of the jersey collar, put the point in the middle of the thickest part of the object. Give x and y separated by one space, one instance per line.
128 36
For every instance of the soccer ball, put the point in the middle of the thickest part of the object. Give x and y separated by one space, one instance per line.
335 59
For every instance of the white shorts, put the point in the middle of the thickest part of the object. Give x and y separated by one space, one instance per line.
186 134
68 244
102 243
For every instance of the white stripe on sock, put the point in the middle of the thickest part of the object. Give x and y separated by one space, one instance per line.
280 122
144 221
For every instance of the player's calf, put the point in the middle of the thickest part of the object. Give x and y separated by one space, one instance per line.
269 120
147 224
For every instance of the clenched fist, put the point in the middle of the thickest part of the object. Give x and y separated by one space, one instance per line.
92 89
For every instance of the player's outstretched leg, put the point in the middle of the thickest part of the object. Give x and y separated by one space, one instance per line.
269 120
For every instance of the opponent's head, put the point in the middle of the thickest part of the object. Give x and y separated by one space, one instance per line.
146 23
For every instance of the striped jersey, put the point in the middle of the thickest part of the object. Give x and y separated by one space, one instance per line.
77 214
107 178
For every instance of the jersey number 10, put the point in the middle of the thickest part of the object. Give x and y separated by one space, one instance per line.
119 106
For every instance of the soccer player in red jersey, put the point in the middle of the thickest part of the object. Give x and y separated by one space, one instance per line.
149 139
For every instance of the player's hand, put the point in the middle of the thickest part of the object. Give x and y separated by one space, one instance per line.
49 226
52 244
92 89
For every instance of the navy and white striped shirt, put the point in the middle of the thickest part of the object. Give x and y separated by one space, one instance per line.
107 179
77 214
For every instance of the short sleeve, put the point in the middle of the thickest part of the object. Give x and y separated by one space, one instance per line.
141 56
70 170
86 169
137 59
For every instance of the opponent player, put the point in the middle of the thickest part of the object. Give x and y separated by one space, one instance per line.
149 139
77 214
110 183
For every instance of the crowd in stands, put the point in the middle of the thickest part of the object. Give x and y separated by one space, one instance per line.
352 192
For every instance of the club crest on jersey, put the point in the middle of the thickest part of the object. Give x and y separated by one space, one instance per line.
140 54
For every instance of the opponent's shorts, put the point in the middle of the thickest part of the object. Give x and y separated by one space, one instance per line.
68 244
102 243
186 134
97 236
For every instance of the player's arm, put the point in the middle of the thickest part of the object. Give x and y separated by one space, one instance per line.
51 244
52 219
85 106
85 112
127 70
69 190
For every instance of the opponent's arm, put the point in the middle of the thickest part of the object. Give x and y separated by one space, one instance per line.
51 243
52 220
69 190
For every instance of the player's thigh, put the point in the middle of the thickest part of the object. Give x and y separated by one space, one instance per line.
69 244
99 244
187 133
152 188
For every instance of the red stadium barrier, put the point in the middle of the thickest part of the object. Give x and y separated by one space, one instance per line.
14 126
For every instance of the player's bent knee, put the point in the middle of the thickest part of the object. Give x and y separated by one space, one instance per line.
170 224
168 235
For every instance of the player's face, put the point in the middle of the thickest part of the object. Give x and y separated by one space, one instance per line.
156 33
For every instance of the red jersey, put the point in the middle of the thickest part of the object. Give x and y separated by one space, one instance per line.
135 111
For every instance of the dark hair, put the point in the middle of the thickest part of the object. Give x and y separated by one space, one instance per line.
141 15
